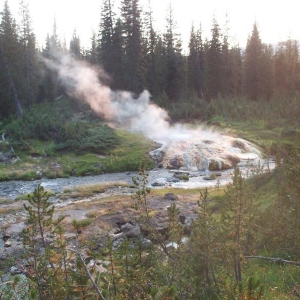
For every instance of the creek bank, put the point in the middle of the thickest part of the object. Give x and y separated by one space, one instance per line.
120 224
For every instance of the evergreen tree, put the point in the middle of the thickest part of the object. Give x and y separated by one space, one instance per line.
30 58
118 67
234 71
195 62
105 37
151 38
10 60
75 48
91 56
238 221
257 69
134 60
213 63
267 69
205 247
225 59
40 254
52 50
160 67
286 66
173 59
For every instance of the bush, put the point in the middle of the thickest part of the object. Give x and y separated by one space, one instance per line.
67 134
82 137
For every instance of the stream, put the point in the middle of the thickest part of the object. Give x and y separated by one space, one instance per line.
156 178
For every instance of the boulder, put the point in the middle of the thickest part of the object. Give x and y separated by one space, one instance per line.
175 163
6 236
170 196
130 230
15 271
7 244
159 183
171 245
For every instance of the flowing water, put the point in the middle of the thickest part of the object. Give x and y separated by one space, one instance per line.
159 177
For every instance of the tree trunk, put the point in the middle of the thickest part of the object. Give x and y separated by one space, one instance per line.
11 83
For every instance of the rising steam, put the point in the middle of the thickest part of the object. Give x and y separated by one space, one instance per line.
181 146
119 108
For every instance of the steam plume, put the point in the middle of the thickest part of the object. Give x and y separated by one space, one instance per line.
190 148
119 108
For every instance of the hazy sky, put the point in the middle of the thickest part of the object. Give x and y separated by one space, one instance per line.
277 19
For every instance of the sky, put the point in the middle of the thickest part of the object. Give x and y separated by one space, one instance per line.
277 19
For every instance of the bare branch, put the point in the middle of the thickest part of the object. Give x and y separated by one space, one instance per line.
88 272
276 259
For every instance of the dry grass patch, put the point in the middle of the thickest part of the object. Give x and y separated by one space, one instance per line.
89 190
92 214
8 210
6 201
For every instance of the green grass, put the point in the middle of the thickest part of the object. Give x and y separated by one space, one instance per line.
269 138
133 149
278 280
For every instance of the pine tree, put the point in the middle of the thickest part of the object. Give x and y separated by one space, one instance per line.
51 51
225 58
134 59
105 37
268 71
213 64
173 59
10 61
151 38
30 56
286 66
238 220
43 257
204 247
75 48
235 71
118 67
91 56
257 68
195 62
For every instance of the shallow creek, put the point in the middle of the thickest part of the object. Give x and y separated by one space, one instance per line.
159 177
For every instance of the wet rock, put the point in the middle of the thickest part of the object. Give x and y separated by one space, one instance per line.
6 236
214 165
233 160
175 163
158 183
7 244
177 172
209 178
170 196
172 179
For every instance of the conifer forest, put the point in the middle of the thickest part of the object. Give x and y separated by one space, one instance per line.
69 110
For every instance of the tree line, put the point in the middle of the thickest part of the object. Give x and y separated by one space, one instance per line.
136 57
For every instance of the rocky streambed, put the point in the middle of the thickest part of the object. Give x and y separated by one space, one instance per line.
111 210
